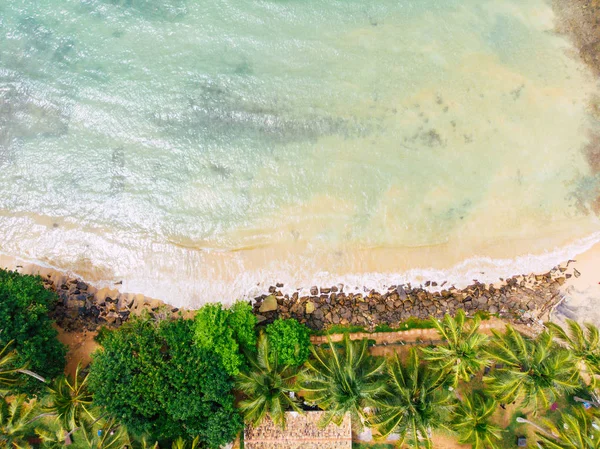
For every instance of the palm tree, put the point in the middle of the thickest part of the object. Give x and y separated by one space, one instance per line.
535 371
180 443
583 345
101 434
472 421
70 399
267 386
415 402
575 430
8 373
16 419
52 434
463 355
343 381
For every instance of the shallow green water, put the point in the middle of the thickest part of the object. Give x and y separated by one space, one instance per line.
195 149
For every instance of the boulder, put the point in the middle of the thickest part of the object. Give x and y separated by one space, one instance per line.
269 304
310 307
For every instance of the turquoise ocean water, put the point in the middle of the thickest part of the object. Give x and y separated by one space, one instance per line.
196 149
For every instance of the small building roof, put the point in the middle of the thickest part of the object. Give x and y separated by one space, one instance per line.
301 432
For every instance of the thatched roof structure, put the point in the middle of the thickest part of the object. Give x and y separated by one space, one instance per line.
301 432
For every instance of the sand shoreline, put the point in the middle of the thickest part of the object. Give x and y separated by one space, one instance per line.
83 306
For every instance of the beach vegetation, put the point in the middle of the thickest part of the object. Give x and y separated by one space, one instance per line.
268 386
158 383
472 421
70 400
289 341
575 429
226 332
535 371
462 355
415 402
153 384
26 326
583 344
348 380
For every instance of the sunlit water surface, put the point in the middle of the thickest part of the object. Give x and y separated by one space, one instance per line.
196 149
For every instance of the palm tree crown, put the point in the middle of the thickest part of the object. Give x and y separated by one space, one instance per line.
343 381
16 420
70 400
415 402
8 373
267 386
583 345
462 356
575 430
535 370
472 421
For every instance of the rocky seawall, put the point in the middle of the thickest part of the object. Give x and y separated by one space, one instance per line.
524 299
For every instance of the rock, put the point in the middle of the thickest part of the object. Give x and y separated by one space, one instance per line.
279 285
576 273
325 290
272 289
269 304
310 307
318 315
314 290
401 292
260 319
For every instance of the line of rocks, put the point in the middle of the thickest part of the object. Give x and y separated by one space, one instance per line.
84 307
524 299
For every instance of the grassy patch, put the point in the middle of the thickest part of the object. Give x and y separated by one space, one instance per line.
339 329
373 445
512 431
411 323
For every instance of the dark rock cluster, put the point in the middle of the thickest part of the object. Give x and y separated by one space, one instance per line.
521 299
83 307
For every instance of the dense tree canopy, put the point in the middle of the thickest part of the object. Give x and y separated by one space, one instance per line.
24 307
226 332
157 382
289 341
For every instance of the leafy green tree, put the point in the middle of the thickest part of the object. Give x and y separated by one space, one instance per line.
471 420
158 383
267 386
415 402
289 341
24 307
70 400
346 380
243 322
224 331
535 371
463 354
583 345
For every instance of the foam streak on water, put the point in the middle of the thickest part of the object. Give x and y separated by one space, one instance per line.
196 150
